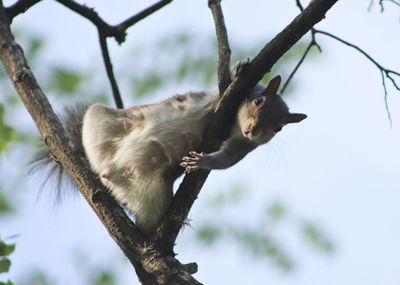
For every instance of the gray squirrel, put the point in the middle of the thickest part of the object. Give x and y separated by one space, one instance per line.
139 152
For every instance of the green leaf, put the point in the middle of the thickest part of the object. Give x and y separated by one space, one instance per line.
8 283
5 265
6 249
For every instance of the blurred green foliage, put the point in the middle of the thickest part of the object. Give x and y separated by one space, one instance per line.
65 80
187 58
5 262
316 238
175 60
7 133
35 277
260 236
103 277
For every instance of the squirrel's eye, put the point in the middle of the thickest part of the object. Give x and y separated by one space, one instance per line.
278 129
258 101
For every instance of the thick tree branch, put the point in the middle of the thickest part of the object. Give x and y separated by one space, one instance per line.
233 96
224 51
19 7
151 266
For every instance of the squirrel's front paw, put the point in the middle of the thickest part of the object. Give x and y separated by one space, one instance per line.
240 67
194 161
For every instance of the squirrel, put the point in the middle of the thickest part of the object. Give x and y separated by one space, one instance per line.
139 152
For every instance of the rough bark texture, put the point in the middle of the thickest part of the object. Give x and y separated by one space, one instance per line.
150 265
229 104
149 256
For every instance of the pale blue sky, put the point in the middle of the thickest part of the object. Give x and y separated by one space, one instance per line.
339 167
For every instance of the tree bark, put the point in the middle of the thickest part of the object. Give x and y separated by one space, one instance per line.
228 106
152 266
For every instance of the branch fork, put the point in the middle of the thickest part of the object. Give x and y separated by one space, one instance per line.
153 256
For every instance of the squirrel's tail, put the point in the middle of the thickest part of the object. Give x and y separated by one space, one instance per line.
46 165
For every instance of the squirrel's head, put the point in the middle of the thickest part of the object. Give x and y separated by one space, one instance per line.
264 113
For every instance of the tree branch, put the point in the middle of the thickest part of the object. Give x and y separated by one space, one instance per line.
151 266
19 7
229 103
385 72
109 71
118 32
224 51
311 44
141 15
382 7
390 1
104 30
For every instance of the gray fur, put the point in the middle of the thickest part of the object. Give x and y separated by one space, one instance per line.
136 152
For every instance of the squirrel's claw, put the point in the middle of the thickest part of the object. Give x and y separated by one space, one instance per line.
240 67
192 162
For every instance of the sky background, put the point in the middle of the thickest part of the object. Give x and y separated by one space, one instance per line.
339 168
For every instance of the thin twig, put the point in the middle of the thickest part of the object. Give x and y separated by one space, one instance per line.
104 30
385 99
394 2
371 3
298 3
388 72
234 95
390 1
109 70
312 43
141 15
385 72
118 32
151 266
224 51
19 7
297 67
381 5
92 16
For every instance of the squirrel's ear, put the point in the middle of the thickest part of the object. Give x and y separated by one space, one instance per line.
273 86
295 118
